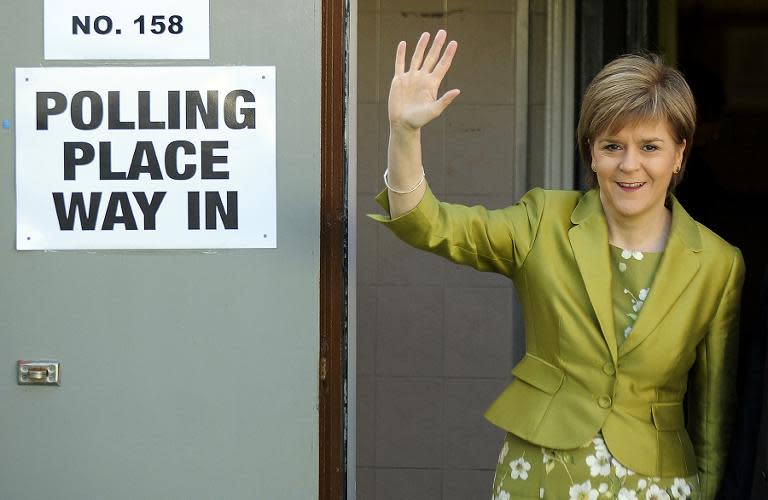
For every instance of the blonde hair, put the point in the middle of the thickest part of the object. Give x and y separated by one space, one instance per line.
632 89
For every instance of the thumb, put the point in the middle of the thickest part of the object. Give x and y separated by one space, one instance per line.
446 100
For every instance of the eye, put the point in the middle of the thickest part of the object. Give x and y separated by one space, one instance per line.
650 147
611 147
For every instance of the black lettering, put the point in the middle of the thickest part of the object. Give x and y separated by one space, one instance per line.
149 209
209 113
172 160
208 160
71 160
43 109
77 23
145 149
96 110
102 25
230 110
174 110
214 204
119 201
193 210
76 208
113 113
105 164
145 115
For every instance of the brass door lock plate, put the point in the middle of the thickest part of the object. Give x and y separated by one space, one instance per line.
39 372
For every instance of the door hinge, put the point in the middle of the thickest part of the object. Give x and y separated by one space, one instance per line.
323 368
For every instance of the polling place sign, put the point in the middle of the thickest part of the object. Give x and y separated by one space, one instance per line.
145 158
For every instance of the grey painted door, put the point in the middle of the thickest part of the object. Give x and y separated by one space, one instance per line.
185 374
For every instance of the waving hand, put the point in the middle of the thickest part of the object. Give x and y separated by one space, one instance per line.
413 103
413 100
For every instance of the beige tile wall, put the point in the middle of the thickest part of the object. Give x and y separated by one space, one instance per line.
435 341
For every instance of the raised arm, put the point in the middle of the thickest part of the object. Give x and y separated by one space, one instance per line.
413 103
488 240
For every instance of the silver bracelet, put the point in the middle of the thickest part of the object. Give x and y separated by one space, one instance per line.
386 182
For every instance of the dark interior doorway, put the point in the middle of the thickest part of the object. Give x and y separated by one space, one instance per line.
722 48
723 52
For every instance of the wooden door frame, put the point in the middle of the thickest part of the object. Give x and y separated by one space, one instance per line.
333 253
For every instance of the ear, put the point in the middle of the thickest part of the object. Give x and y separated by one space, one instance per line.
680 151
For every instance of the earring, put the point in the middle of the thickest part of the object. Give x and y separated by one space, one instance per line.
594 169
677 169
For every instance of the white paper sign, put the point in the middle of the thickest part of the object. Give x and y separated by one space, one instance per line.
135 29
160 157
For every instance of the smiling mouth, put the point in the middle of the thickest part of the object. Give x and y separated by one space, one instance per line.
630 186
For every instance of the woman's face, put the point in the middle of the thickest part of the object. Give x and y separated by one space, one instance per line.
634 167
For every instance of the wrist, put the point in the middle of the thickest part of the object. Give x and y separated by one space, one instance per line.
408 190
403 130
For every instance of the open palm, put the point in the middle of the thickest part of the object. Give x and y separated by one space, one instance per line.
413 100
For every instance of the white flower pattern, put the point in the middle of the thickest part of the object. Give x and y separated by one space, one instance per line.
519 468
597 476
583 491
656 493
599 444
621 471
636 301
504 451
625 494
599 463
680 489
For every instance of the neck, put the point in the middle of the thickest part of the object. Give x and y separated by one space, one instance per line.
646 232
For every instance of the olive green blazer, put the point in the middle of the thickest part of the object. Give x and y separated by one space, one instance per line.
574 379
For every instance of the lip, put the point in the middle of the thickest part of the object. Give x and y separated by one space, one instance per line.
630 187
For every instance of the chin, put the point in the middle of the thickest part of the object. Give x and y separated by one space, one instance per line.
627 210
635 208
630 208
632 204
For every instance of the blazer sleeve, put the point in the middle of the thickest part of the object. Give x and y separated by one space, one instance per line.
713 377
488 240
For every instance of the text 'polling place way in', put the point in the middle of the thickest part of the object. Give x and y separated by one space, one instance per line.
110 158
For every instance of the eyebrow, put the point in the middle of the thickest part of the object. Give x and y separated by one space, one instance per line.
650 139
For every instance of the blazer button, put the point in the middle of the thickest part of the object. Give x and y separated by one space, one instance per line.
608 368
604 401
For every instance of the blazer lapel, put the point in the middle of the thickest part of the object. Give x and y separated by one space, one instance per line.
589 241
679 264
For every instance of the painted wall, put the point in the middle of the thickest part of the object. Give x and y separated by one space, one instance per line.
435 341
185 374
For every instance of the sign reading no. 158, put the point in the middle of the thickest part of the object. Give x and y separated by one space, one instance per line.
140 29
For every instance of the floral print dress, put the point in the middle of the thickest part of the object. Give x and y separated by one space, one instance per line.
590 472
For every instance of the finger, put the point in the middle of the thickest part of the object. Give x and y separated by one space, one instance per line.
434 51
400 59
418 53
444 64
447 99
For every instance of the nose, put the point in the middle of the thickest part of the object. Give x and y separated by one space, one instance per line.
631 160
